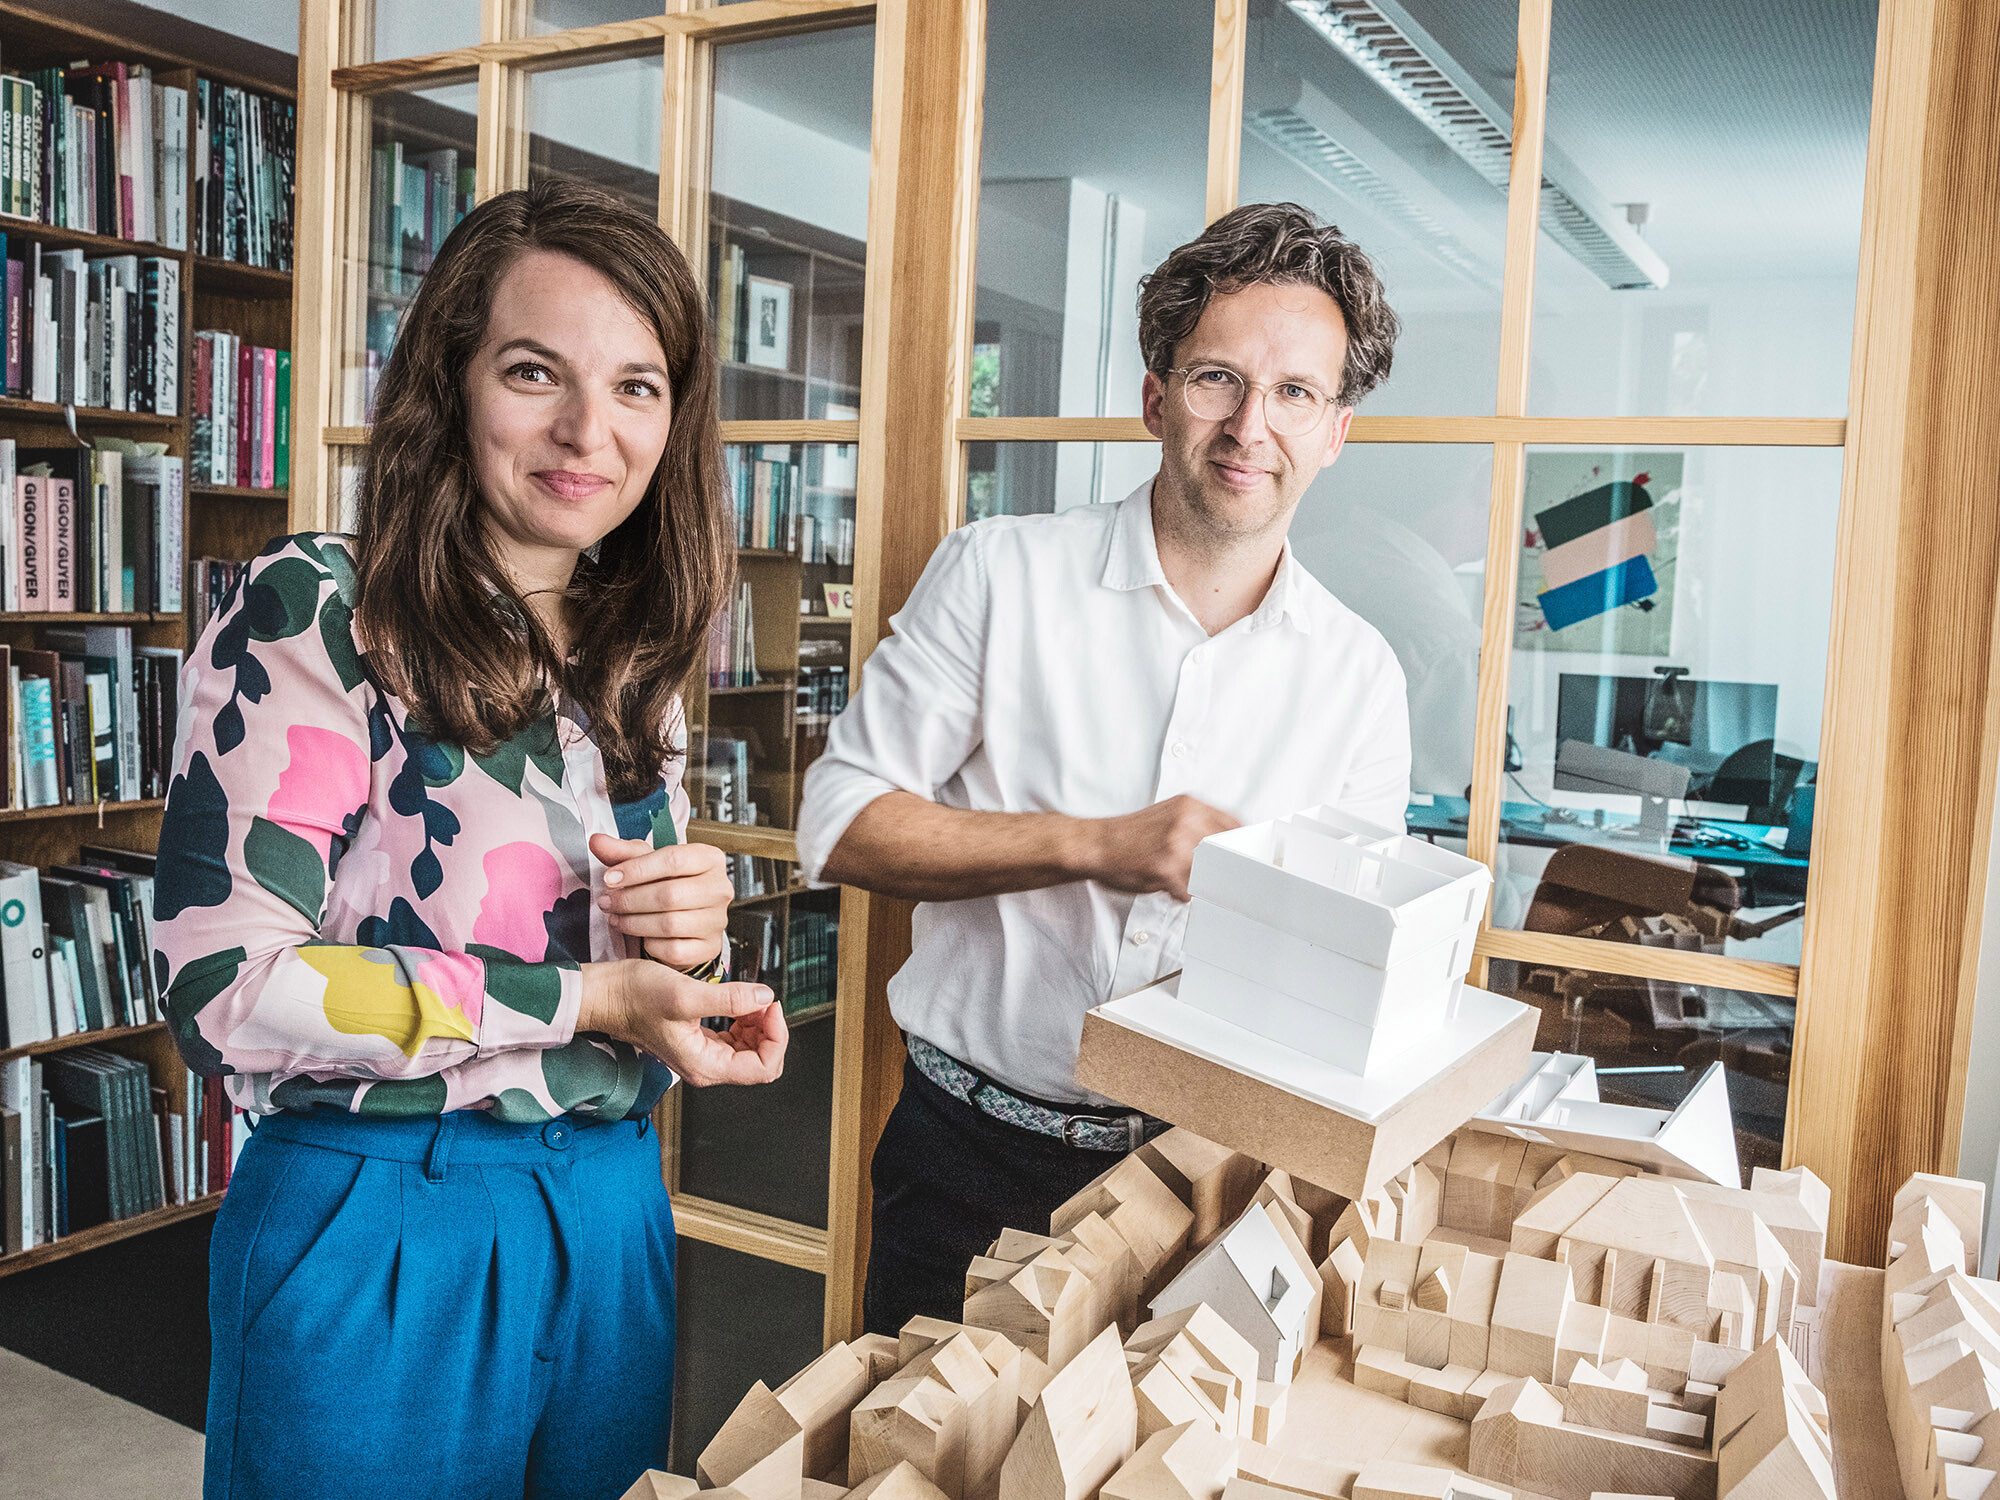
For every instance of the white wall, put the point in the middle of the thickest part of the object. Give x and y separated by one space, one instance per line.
779 165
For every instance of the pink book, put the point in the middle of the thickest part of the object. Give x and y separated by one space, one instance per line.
30 510
267 417
61 555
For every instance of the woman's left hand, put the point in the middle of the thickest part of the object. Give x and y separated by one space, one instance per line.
674 899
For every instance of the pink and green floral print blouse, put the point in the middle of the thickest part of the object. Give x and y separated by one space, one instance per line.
350 914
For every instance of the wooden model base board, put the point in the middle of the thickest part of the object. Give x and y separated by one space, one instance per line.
1336 1427
1337 1129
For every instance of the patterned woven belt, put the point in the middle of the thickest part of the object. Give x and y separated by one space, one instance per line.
1094 1132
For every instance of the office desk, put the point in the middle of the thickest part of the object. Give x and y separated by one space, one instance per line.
1523 823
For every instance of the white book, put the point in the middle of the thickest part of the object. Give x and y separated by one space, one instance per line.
43 386
15 738
62 994
169 533
141 87
23 959
115 641
75 316
222 404
177 1154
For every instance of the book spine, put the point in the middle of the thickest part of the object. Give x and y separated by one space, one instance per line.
243 414
281 456
16 317
169 529
29 510
165 285
38 742
267 417
61 570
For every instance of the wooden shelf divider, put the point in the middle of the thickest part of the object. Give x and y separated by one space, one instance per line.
107 1234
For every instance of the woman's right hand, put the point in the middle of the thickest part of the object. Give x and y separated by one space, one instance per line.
660 1011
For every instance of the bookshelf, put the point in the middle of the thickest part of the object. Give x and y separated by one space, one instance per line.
229 522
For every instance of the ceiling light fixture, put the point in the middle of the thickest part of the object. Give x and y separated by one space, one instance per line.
1381 39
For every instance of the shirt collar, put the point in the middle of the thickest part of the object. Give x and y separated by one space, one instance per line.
1133 562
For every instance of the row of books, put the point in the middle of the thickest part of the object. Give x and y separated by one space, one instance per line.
415 199
822 694
766 483
732 642
91 720
87 1137
812 958
209 581
80 958
102 332
97 147
245 162
94 530
752 875
755 952
719 778
242 406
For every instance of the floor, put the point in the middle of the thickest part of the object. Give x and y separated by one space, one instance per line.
63 1440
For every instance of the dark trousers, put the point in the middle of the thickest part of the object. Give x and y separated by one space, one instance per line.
947 1180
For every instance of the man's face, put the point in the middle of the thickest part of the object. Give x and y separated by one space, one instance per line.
1236 478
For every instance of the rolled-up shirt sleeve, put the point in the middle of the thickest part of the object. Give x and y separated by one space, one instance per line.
917 715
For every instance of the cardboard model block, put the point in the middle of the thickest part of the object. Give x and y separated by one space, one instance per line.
1080 1431
1045 1307
1340 1280
1173 1389
1213 1181
657 1484
903 1481
1269 1419
1220 1346
1594 1399
1189 1462
942 1413
759 1451
1343 1131
1530 1307
1963 1201
1772 1444
1140 1207
1479 1183
820 1398
1386 1479
1520 1439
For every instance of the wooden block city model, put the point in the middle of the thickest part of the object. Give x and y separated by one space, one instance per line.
1389 1252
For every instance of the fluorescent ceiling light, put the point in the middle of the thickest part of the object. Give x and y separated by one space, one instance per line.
1331 144
1381 39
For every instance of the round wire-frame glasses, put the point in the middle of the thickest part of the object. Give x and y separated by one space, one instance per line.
1214 393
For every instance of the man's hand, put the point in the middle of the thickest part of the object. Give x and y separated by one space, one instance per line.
660 1011
1153 849
675 899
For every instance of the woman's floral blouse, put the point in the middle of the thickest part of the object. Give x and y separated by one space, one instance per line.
349 914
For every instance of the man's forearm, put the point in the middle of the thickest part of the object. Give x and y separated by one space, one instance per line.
905 845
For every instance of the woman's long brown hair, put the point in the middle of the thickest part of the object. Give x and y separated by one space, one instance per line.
445 629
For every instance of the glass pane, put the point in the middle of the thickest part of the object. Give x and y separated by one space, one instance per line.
383 29
599 124
1093 165
1398 130
1025 479
1653 1039
1666 693
779 658
768 1149
561 15
1397 533
1701 209
719 1351
788 222
419 186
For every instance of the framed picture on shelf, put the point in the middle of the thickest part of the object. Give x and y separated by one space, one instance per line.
770 329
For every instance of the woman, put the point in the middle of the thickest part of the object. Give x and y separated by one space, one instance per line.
423 903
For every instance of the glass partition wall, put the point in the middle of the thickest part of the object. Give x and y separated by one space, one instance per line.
1615 648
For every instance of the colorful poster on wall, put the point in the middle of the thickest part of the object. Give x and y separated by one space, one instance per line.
1600 541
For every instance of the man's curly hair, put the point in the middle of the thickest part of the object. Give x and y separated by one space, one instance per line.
1279 243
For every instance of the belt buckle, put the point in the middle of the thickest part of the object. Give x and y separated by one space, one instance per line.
1071 1125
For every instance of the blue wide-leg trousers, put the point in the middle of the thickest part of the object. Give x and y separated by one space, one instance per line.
447 1308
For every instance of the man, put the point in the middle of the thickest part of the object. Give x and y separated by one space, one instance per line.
1069 704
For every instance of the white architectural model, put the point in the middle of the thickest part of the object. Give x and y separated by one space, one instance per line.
1557 1102
1265 1286
1332 936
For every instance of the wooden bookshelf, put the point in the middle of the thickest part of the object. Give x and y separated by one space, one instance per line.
108 1234
252 302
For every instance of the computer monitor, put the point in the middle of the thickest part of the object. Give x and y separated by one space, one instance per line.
1724 733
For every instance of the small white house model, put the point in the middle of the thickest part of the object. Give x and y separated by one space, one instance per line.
1336 937
1260 1286
1556 1102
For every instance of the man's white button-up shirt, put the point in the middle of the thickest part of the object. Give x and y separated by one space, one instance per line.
1044 664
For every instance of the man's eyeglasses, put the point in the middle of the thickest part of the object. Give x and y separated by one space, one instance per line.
1215 392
